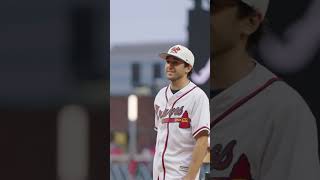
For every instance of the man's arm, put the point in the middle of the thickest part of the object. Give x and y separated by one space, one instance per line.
198 155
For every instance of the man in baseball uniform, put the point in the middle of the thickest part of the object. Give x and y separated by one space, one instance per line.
261 128
182 120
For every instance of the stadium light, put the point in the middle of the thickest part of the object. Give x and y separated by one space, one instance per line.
132 108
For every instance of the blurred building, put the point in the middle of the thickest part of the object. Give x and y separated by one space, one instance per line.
53 80
137 68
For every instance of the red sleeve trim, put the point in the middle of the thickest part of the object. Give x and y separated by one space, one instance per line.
203 128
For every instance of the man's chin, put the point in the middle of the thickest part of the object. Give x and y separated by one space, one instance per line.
171 78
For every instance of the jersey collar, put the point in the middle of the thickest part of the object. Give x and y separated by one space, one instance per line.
171 98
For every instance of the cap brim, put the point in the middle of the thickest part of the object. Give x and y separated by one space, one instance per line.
165 55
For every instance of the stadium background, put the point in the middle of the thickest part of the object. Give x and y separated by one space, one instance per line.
53 99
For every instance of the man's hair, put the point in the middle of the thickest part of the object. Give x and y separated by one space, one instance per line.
245 10
189 73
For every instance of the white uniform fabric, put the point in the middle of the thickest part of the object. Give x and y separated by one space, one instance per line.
179 118
267 135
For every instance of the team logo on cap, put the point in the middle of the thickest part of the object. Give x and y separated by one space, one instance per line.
175 49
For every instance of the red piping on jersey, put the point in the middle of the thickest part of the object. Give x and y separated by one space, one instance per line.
166 143
203 127
164 150
166 93
243 101
173 120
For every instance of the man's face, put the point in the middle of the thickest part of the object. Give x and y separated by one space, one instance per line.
225 26
175 68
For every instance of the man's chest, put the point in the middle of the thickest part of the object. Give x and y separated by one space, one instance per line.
165 109
177 118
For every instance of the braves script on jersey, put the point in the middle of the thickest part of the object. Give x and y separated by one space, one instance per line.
179 118
263 130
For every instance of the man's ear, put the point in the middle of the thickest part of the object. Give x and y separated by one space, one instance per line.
250 25
189 68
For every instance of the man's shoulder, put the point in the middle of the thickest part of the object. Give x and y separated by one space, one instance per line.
196 89
200 93
161 92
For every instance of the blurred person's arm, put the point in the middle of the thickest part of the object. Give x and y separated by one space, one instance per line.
292 150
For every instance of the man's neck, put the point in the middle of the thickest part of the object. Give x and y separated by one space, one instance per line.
179 84
230 67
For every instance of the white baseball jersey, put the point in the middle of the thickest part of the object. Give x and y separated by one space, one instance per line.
262 129
179 118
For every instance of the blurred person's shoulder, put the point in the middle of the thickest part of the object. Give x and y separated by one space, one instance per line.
281 96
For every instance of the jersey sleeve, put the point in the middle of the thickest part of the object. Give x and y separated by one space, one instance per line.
200 116
292 151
